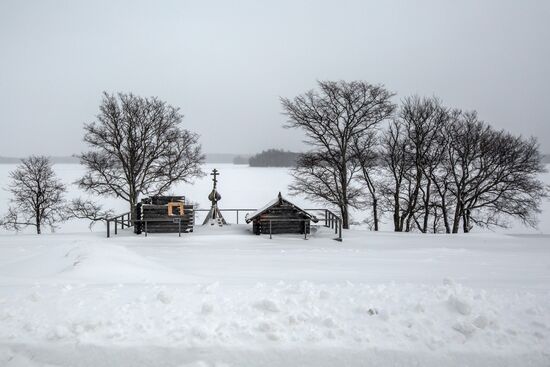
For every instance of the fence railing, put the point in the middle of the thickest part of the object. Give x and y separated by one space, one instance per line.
330 220
237 211
123 219
145 221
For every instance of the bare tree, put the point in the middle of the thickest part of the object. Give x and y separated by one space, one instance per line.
331 119
138 148
449 165
495 175
37 196
86 209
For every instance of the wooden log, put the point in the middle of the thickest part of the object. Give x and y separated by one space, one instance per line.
155 212
280 226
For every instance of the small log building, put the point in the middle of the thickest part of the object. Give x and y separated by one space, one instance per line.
164 214
280 216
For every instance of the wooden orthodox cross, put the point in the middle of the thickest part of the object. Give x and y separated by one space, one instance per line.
214 216
215 173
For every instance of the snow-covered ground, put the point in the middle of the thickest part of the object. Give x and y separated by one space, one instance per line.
225 297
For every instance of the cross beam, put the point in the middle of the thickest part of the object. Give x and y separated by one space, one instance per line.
215 173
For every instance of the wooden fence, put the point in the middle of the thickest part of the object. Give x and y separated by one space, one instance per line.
124 220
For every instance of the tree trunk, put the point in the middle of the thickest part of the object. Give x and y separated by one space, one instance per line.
343 184
372 191
396 223
444 210
375 213
413 199
458 214
445 215
409 217
133 203
435 221
37 220
466 221
426 208
345 216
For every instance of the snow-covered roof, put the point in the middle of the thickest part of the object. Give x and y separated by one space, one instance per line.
279 199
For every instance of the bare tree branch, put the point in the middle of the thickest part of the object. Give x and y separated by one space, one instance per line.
87 209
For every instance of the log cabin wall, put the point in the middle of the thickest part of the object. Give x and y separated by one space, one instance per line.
284 219
156 209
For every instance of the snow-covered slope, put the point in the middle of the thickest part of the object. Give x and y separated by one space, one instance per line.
224 297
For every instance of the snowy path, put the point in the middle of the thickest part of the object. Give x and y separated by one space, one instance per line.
228 298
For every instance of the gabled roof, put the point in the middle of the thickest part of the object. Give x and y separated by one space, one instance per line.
279 200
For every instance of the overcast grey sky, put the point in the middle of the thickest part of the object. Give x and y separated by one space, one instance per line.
225 64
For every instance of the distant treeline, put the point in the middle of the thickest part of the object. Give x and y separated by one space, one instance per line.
55 160
273 158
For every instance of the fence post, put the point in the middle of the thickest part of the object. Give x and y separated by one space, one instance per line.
337 222
116 222
340 234
305 230
326 218
270 230
108 228
145 228
179 228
